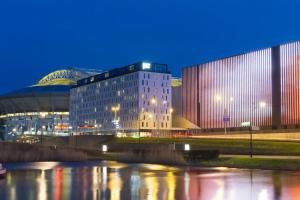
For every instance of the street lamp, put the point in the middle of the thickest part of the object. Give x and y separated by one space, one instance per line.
149 116
261 105
226 117
154 103
115 109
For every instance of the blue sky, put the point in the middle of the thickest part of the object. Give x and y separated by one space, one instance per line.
39 36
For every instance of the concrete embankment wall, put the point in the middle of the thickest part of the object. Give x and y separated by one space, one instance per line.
81 141
22 152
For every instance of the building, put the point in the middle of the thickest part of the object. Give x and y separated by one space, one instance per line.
132 99
261 87
42 108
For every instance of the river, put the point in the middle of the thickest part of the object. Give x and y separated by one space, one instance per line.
113 180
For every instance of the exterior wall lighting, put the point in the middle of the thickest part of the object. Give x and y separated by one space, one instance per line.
187 147
104 148
146 65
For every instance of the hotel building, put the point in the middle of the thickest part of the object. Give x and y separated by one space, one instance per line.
261 87
131 99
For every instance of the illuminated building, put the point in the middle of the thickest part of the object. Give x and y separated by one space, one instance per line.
261 87
42 108
131 99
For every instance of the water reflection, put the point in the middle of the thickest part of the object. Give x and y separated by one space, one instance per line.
115 181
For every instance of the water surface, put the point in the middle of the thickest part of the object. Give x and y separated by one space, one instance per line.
112 180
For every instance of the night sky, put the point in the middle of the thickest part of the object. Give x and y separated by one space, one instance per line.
39 36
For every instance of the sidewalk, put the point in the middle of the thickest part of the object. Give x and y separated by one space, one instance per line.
261 156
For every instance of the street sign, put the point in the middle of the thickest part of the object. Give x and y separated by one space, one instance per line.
226 118
245 124
255 128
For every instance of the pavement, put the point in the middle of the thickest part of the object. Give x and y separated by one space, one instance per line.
295 137
261 156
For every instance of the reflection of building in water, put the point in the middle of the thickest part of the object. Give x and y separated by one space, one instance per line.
135 184
42 192
171 183
151 186
115 185
58 183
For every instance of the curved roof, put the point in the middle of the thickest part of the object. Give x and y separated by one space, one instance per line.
64 77
49 94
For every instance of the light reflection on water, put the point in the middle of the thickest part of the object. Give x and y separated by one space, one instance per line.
115 181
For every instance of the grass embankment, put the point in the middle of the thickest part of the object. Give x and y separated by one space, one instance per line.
253 163
231 162
226 146
21 152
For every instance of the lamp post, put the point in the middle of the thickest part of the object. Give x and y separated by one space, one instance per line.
154 103
261 105
226 117
115 109
149 116
171 113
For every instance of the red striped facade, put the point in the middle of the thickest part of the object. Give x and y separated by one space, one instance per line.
244 88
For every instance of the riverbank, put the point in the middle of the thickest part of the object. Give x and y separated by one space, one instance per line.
21 152
225 146
253 163
230 162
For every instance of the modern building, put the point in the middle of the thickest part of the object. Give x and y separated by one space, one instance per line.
261 87
42 108
134 99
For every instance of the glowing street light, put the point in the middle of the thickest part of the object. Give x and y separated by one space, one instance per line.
153 101
115 109
226 118
262 104
218 98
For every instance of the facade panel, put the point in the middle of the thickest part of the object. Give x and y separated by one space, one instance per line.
230 91
290 83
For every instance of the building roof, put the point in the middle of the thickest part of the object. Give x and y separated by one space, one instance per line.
140 66
49 94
